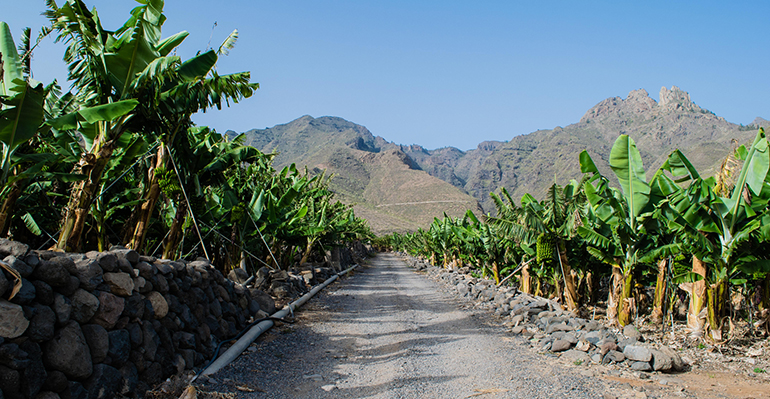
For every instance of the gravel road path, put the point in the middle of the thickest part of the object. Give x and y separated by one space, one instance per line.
388 332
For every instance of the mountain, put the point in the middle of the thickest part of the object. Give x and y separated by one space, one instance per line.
384 185
530 163
402 187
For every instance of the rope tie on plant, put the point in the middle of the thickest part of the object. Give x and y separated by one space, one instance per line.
222 236
265 242
205 236
189 208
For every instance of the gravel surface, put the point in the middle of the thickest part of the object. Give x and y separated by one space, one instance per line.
388 332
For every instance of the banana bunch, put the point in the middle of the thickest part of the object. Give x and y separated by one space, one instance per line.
168 182
545 244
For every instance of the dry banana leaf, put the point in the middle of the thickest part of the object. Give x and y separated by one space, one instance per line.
17 284
189 393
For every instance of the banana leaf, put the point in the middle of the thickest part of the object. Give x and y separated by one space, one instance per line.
626 162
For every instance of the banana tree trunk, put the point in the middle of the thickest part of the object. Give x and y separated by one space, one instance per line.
275 250
83 195
590 286
495 273
308 248
764 301
9 204
613 300
697 291
626 305
716 297
101 231
145 209
526 280
570 294
660 293
234 254
557 288
174 238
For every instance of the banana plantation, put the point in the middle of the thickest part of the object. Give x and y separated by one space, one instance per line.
700 241
116 159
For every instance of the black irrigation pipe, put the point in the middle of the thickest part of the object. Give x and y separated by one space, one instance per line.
240 334
252 333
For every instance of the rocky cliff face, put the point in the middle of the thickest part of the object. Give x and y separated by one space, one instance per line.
532 162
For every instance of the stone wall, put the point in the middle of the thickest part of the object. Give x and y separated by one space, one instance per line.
98 324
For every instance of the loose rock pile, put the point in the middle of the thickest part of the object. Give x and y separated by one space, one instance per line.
550 328
284 284
98 324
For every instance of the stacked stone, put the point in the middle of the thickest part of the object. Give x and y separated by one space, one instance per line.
99 324
550 328
283 284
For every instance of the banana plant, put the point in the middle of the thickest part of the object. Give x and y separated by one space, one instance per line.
619 224
101 63
722 223
281 212
507 210
556 219
21 115
21 101
666 240
174 91
328 223
131 66
25 109
214 170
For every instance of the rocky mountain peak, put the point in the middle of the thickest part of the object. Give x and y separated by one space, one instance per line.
638 102
489 145
302 121
677 99
413 148
760 122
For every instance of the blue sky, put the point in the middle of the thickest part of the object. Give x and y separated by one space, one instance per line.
455 73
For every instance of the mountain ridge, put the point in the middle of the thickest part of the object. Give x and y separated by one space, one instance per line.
527 163
381 182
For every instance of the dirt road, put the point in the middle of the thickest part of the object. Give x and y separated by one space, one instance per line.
388 332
